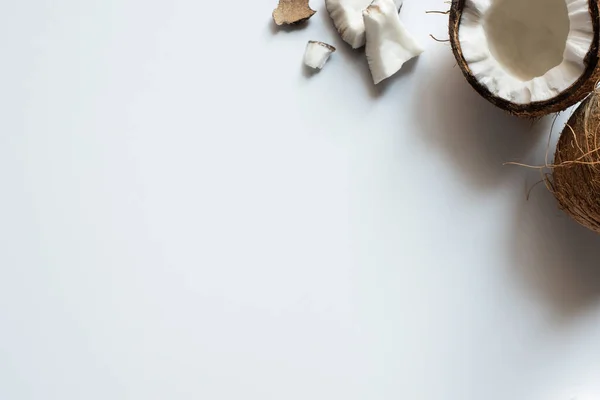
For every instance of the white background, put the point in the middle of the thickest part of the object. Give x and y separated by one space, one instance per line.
185 213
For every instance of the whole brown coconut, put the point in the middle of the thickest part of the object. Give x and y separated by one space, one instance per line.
576 171
532 108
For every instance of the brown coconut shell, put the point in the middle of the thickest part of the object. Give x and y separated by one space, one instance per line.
574 94
292 12
575 177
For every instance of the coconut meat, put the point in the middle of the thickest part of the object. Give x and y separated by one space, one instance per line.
348 19
317 54
389 44
526 50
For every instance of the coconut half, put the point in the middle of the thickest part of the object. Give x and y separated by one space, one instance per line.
529 57
347 16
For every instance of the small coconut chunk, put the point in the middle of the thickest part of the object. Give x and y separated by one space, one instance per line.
317 54
389 44
348 19
292 12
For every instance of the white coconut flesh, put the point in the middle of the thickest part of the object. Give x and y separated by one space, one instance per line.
317 54
526 51
347 16
389 44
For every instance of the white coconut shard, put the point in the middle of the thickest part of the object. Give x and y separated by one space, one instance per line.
526 50
348 19
389 44
317 54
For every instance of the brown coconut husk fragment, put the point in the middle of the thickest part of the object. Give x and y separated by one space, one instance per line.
575 177
574 94
290 12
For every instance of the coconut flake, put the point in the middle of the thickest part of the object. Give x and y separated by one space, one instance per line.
292 12
317 54
348 19
389 44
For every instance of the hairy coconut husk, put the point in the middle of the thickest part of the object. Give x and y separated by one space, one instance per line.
576 171
574 94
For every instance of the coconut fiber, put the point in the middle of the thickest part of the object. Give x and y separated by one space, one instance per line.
575 177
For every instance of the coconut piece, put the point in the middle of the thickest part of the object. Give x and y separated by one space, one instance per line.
348 19
292 12
389 44
529 57
576 171
317 54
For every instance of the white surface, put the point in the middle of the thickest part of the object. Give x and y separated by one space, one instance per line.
186 215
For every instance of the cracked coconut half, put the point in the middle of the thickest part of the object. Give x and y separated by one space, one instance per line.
317 54
529 57
347 16
290 12
389 44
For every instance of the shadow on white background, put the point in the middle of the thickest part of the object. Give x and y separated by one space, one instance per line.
554 257
474 135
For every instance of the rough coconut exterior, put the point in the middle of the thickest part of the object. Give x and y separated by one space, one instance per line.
574 94
292 12
576 172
